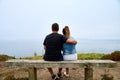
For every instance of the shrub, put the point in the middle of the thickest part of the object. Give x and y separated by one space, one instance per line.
115 56
106 56
9 77
5 57
107 77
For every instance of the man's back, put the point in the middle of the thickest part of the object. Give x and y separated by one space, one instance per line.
53 43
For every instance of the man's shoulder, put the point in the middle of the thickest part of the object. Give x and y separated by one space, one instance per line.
60 34
55 35
49 34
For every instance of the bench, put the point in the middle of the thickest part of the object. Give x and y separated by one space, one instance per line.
88 65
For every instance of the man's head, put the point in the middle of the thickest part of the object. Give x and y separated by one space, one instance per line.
55 27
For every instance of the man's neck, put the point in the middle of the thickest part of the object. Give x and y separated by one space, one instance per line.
55 31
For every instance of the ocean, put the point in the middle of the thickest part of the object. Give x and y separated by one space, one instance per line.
24 48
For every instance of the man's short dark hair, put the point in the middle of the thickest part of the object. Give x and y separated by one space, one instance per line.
55 27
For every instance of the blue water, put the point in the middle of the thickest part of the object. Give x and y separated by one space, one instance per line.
98 46
22 48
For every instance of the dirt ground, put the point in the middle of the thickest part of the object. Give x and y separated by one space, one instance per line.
75 74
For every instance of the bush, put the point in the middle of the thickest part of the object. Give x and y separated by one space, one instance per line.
106 56
107 77
5 57
115 56
9 77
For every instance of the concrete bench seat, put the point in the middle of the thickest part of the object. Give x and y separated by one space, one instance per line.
88 65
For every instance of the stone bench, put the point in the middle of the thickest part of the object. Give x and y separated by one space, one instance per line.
88 65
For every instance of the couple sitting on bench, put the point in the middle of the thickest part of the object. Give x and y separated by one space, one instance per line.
54 44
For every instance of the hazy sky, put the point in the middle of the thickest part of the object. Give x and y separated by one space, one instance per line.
32 19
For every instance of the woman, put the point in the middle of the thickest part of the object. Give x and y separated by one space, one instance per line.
69 50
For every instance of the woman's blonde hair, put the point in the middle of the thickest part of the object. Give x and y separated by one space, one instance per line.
66 31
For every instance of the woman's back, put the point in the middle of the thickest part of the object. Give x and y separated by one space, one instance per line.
69 48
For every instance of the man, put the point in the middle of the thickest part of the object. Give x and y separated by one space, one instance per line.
53 45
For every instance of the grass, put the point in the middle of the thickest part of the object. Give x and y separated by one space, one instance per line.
90 56
33 58
81 56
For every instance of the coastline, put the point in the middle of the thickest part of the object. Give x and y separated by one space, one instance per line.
24 48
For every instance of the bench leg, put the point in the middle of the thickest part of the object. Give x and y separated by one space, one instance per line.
32 73
88 74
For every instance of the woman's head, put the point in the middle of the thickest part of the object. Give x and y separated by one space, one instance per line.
66 31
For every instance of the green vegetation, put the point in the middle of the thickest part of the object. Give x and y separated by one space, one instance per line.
11 77
107 77
35 54
81 56
33 58
90 56
5 57
115 56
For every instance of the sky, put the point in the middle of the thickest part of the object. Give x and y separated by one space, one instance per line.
32 19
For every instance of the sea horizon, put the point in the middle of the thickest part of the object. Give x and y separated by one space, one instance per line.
27 47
